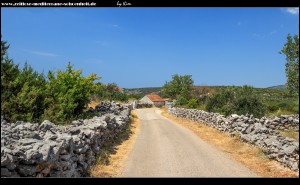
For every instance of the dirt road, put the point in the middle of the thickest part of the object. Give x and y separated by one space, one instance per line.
166 149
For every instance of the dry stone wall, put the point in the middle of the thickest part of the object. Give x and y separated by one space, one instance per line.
260 132
49 150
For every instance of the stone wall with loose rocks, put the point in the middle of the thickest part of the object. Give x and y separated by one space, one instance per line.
284 122
260 132
49 150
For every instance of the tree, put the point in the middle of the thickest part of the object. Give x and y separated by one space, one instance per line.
110 92
179 86
30 98
27 95
291 51
68 93
9 87
4 48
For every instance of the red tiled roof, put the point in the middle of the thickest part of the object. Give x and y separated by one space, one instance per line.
155 97
118 89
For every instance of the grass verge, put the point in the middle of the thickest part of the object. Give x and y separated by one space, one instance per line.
290 134
110 161
247 154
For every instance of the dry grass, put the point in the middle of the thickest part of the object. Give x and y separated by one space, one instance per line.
250 156
93 103
290 134
111 160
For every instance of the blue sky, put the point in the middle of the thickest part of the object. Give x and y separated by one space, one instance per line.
144 47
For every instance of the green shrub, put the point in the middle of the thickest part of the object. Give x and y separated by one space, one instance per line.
110 92
181 101
192 103
22 90
68 93
27 95
247 101
237 100
295 107
272 107
221 102
30 98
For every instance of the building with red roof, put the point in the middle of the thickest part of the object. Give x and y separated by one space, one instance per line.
154 99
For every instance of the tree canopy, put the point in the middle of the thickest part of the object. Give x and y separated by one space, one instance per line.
27 95
179 86
237 100
291 51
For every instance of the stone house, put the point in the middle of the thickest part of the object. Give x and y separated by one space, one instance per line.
154 99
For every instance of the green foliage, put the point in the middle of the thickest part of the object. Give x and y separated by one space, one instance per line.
138 93
220 99
221 102
178 86
29 101
192 104
68 93
134 96
27 96
279 101
181 101
291 51
9 87
110 92
237 100
286 106
247 101
272 106
295 105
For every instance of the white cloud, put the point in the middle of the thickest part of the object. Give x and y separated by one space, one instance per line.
294 11
43 53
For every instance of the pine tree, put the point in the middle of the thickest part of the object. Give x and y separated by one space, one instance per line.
9 87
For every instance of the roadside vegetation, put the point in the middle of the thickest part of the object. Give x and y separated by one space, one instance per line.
241 100
60 96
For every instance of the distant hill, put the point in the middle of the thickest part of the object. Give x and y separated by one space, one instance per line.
203 89
277 87
143 91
